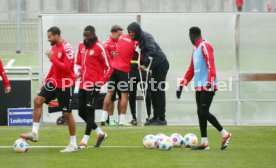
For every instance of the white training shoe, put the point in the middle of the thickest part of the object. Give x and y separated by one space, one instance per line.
30 136
70 148
124 124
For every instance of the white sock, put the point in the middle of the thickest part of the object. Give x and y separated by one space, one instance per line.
99 131
104 116
223 132
122 118
204 140
73 140
85 139
111 117
35 127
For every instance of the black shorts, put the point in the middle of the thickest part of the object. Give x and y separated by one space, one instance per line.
64 96
118 81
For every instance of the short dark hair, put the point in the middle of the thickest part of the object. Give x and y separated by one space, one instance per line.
116 28
54 30
195 31
90 28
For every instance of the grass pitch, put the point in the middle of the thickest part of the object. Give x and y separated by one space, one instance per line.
250 147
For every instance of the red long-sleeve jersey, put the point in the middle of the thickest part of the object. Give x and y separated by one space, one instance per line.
125 50
208 55
94 65
61 73
110 45
4 76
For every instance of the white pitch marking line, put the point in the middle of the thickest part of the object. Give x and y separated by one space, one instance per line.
4 147
9 64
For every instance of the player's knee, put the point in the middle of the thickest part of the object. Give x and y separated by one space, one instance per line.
38 101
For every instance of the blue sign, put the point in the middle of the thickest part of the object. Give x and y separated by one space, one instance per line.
20 117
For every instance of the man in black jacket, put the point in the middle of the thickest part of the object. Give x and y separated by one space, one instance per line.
159 68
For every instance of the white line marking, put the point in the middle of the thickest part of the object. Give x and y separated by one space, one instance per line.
9 64
5 147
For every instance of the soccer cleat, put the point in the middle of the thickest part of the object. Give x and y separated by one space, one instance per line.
159 122
200 147
70 148
30 136
225 141
82 145
149 121
133 122
103 123
124 124
100 139
112 123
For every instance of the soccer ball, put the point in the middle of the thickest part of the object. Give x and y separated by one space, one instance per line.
159 136
165 143
190 140
149 141
177 140
20 145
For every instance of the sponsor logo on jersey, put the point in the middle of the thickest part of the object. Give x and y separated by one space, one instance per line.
91 52
59 54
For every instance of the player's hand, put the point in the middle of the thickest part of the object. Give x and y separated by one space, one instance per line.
138 50
142 67
208 86
77 70
49 53
8 89
179 92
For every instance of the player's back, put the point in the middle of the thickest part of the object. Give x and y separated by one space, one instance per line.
125 50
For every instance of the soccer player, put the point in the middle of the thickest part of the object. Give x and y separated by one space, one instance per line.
159 68
119 78
7 86
59 83
110 45
134 79
93 67
203 69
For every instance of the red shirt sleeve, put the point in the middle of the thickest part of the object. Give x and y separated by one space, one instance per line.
107 67
189 74
64 66
208 54
4 76
78 60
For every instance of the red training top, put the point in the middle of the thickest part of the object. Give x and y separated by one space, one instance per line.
61 73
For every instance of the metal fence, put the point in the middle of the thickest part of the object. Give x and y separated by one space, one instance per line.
19 18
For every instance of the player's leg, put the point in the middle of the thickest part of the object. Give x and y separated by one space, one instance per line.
159 74
226 136
91 99
112 121
132 99
82 104
108 97
45 96
122 87
65 102
202 118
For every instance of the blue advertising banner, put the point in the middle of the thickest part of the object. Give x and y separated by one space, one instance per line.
20 116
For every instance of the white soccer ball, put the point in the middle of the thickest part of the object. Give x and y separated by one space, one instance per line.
165 143
158 136
190 140
149 141
177 140
20 145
